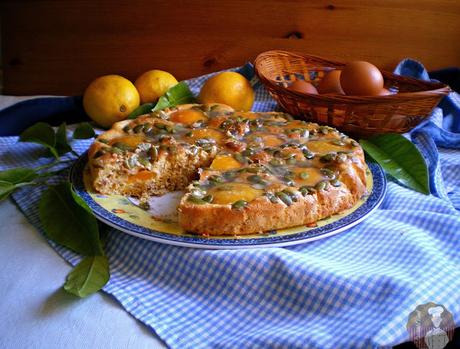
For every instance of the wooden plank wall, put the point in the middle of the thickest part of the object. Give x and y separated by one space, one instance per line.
58 47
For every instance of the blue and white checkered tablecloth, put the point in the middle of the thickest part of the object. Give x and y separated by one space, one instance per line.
353 290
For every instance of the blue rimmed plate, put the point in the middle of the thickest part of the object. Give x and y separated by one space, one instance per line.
123 214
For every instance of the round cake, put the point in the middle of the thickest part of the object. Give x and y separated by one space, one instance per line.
243 172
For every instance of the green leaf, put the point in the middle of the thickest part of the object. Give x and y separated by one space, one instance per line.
84 131
69 222
80 202
14 178
62 145
399 158
18 175
41 133
141 110
178 94
88 277
6 188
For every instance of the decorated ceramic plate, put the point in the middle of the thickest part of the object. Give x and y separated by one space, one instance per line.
158 222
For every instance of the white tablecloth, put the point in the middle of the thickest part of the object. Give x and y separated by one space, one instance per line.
36 312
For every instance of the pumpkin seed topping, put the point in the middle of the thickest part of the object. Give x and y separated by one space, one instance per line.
144 146
308 154
275 162
144 205
204 141
304 175
122 146
248 152
170 129
214 179
240 158
144 161
229 175
327 157
338 142
306 190
336 183
272 197
324 130
328 173
153 153
239 205
288 181
197 192
341 157
116 151
147 128
131 162
284 198
256 179
196 200
208 198
291 194
321 185
138 128
254 170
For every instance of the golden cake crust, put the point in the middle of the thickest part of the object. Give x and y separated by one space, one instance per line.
255 171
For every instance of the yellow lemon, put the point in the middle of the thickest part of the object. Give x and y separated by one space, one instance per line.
228 88
153 84
109 99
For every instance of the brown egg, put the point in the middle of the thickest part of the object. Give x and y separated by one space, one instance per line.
361 78
302 86
331 83
384 92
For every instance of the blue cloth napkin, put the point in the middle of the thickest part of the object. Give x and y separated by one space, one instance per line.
53 110
354 290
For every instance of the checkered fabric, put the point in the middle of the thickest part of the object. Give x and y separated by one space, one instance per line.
353 290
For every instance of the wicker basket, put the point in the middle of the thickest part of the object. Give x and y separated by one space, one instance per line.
356 115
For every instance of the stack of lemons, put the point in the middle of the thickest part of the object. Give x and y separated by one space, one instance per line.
112 98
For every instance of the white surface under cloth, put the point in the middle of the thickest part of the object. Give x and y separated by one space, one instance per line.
36 312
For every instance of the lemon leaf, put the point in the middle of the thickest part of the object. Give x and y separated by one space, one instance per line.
41 133
15 178
83 131
178 94
400 159
18 175
88 277
141 110
68 221
6 188
62 145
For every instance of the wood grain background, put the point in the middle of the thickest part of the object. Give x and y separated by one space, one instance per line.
58 47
